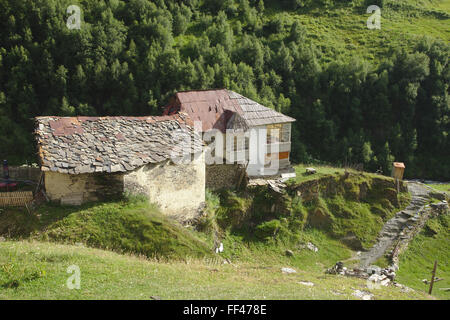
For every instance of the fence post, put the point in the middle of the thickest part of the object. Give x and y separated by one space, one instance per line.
432 277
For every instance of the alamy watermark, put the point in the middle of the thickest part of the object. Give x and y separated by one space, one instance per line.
374 21
74 281
74 20
257 148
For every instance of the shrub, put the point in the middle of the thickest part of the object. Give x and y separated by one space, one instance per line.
267 230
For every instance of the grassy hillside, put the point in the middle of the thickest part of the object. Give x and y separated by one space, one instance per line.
124 226
161 258
340 31
441 187
37 270
349 207
417 262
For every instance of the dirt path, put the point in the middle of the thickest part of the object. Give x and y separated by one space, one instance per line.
391 231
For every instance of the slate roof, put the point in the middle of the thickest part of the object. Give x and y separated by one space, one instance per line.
78 145
215 108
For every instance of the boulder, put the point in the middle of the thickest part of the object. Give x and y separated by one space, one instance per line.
289 253
312 247
288 270
373 270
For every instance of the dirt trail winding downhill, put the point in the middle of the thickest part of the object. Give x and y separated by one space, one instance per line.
391 231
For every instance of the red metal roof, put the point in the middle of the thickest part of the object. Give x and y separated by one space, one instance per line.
214 108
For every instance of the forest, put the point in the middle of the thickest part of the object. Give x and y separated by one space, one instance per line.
129 57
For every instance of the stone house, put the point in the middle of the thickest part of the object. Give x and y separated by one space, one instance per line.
240 121
164 158
95 158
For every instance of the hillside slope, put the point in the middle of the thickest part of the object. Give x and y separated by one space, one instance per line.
336 211
416 263
132 227
340 31
37 270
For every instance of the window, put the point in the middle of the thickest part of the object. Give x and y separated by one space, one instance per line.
283 134
273 133
239 143
286 133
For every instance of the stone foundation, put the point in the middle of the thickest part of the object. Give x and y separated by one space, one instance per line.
223 176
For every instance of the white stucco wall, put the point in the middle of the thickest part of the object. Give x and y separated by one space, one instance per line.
178 189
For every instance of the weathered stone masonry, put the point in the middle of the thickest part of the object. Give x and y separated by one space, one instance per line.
96 158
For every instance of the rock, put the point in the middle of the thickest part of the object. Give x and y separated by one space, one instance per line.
220 248
374 278
312 247
310 171
364 295
289 253
288 270
437 195
337 269
336 293
373 269
155 298
385 282
306 283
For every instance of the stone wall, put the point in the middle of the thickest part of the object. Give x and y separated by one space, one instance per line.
221 176
178 189
77 189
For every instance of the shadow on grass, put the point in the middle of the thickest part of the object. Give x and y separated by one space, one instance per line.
18 223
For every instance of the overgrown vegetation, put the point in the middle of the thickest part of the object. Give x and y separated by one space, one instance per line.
350 208
416 263
359 95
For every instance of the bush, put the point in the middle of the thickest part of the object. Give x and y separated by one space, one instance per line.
267 230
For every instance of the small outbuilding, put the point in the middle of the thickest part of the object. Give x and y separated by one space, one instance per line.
398 169
95 158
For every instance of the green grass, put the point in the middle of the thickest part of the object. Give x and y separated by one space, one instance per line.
441 187
341 32
326 171
38 270
123 226
352 207
161 258
321 171
417 262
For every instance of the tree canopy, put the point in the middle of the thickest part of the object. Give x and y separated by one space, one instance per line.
129 57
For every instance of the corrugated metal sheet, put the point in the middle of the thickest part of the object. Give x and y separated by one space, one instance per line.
216 107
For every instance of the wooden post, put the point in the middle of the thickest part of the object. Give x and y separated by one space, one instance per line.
432 278
398 185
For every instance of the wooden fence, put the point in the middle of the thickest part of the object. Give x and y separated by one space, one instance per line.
15 199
